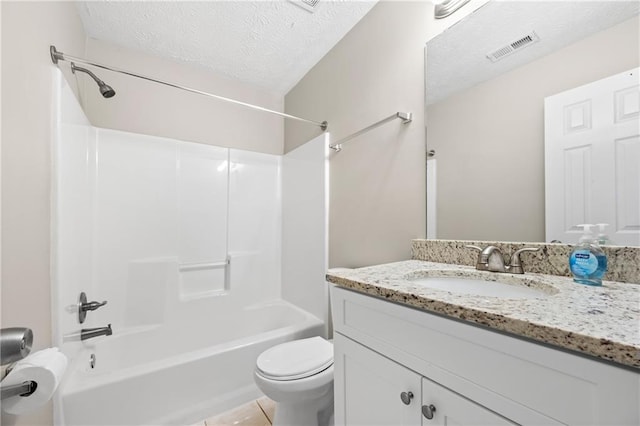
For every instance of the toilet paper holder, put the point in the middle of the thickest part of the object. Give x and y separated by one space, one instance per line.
23 389
16 344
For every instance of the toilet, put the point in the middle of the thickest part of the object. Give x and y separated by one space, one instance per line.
298 376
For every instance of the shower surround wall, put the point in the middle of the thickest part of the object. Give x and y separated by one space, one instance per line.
184 241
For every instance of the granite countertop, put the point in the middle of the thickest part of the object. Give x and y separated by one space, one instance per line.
602 322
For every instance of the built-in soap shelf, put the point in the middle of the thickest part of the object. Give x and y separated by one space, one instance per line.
203 279
186 267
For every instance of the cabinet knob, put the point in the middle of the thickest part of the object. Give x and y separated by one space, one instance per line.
406 397
428 410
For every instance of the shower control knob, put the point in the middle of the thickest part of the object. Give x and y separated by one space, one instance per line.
92 306
84 306
406 397
428 410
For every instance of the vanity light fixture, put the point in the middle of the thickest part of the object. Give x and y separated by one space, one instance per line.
445 8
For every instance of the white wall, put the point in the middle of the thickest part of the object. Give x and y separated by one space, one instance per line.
304 226
378 180
144 107
28 28
72 209
144 222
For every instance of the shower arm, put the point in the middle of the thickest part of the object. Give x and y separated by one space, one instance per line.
60 56
74 68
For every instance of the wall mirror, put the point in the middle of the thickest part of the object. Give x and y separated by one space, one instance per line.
487 78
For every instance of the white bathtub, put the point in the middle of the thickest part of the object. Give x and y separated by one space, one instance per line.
163 376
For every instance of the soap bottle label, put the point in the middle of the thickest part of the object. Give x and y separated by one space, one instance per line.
583 263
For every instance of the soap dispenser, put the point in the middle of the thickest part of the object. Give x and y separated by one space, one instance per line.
602 238
587 261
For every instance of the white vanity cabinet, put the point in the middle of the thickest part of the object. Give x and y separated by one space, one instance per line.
469 374
378 391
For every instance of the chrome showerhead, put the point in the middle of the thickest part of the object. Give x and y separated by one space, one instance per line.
105 90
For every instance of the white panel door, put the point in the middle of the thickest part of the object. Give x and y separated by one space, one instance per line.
368 388
592 159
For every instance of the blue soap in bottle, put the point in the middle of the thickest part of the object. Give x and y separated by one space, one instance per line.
587 261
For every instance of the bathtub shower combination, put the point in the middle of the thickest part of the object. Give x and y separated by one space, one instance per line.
205 255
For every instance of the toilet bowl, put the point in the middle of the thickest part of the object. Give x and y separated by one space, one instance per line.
298 376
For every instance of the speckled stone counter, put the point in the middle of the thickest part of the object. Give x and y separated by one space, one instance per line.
553 259
602 322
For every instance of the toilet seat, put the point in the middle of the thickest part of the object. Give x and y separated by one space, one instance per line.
296 360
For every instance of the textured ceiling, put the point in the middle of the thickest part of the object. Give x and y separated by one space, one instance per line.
271 44
456 59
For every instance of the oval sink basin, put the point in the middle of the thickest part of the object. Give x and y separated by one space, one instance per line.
477 287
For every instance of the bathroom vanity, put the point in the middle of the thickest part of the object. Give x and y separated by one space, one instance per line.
406 354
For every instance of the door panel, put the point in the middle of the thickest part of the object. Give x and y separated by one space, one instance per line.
592 159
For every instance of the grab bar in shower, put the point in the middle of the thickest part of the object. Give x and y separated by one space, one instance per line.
185 267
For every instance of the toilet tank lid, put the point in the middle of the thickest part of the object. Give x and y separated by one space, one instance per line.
296 359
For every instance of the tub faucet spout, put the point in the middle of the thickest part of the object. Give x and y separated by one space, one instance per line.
88 333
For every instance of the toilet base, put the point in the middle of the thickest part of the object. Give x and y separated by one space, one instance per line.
317 412
303 397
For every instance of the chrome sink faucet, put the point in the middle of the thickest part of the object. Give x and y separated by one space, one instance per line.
491 259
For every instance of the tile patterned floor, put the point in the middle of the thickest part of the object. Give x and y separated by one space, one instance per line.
254 413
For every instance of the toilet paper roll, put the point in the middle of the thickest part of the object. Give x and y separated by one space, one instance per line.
44 367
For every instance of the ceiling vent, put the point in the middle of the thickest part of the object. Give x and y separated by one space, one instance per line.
513 47
308 5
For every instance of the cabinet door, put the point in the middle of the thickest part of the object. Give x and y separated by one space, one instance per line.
368 388
449 408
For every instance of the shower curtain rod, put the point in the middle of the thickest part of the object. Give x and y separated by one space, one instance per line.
60 56
406 117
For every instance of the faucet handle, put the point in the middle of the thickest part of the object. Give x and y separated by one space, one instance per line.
516 264
475 248
92 306
481 263
85 306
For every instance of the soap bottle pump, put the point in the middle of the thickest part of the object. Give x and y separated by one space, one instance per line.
587 261
602 238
